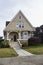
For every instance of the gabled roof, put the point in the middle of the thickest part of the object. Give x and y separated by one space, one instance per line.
10 27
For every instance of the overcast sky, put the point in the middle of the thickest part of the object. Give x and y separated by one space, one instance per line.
32 9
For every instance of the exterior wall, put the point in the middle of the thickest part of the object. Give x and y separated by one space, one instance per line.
12 25
26 34
21 33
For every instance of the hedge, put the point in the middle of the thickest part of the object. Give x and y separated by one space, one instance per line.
33 41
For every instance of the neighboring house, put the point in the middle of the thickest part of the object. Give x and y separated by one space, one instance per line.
19 28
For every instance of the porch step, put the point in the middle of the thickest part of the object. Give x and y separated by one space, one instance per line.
15 45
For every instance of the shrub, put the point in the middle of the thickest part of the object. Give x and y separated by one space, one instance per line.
5 44
1 41
34 41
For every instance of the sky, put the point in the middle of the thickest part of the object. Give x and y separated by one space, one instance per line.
32 9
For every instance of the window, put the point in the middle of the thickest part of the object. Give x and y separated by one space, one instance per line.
17 25
25 33
20 25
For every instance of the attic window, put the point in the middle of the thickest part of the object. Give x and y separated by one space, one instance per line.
20 24
19 17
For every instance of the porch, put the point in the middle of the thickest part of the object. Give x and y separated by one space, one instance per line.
20 37
14 36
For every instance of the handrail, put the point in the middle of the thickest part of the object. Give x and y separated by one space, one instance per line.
19 43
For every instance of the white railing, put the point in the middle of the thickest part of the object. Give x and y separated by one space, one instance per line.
19 43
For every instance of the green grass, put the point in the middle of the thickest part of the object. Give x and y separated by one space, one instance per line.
34 49
7 52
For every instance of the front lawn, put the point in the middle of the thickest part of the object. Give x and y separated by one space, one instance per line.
34 49
7 52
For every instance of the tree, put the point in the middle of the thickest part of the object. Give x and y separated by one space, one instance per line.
36 33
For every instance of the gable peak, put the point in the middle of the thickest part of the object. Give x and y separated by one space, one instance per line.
20 12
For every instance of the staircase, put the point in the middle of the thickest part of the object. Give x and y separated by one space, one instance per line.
15 45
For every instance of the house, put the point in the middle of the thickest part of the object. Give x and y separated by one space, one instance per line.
19 28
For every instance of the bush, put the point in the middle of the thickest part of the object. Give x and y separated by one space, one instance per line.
34 41
1 41
5 44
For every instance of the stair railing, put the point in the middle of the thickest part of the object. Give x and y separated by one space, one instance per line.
19 43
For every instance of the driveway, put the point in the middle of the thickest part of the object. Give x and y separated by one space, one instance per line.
24 60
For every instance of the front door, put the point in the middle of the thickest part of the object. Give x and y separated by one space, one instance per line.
15 38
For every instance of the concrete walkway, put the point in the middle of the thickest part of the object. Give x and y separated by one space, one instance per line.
22 52
19 51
